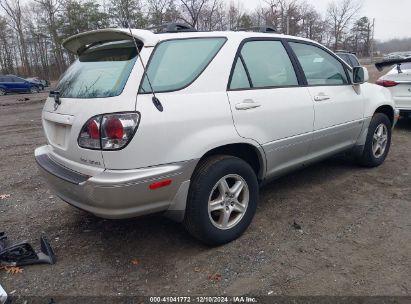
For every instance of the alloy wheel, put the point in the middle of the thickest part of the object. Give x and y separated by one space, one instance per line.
228 201
380 140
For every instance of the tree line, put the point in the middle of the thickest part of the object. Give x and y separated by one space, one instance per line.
31 31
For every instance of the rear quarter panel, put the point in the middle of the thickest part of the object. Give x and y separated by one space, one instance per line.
375 97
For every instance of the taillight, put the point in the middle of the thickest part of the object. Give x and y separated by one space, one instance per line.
386 83
93 129
90 134
109 131
118 129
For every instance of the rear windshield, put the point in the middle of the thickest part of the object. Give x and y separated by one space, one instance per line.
176 64
99 72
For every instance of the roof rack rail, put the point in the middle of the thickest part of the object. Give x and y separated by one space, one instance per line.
172 28
258 29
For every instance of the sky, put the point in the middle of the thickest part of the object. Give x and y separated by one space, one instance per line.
392 17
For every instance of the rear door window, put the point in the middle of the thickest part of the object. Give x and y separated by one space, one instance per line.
267 64
176 64
100 71
319 66
240 78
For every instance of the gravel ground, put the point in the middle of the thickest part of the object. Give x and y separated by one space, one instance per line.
356 237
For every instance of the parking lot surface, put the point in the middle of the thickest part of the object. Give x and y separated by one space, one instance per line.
355 238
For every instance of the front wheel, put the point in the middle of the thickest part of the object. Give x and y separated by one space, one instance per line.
378 141
2 92
222 200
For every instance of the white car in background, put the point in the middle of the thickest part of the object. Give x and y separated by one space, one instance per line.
398 81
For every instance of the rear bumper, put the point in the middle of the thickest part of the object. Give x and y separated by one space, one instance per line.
117 194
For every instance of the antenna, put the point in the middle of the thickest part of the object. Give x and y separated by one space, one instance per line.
156 101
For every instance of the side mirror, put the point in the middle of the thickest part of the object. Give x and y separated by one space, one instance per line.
360 75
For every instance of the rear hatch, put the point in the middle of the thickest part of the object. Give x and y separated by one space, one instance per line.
104 79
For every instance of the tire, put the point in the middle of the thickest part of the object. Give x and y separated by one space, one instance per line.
34 90
3 92
233 212
370 158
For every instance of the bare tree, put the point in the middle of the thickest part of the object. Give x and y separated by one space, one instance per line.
212 17
283 15
127 12
312 24
14 12
191 10
340 15
50 9
31 34
161 11
6 50
234 14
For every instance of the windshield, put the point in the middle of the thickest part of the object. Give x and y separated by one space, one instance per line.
100 71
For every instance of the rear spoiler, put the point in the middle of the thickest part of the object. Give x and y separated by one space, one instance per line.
387 63
78 43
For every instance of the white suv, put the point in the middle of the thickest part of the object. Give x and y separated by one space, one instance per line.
231 111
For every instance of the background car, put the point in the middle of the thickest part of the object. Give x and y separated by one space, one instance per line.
398 81
36 81
11 83
349 58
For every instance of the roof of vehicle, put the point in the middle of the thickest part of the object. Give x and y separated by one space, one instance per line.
76 44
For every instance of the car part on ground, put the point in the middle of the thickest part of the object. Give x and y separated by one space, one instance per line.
23 254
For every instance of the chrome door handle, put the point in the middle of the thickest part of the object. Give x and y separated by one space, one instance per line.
247 104
321 97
